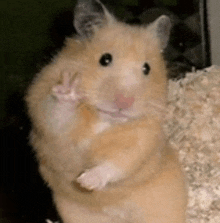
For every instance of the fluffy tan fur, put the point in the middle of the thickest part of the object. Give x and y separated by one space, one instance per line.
77 148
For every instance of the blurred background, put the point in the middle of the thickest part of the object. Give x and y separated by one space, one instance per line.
32 31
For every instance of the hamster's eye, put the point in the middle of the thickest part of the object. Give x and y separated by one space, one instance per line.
105 59
146 68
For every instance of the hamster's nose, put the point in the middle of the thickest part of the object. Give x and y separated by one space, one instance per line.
123 102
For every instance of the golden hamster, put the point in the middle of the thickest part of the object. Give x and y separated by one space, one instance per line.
97 113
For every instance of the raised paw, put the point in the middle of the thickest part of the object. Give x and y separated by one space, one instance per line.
66 91
98 177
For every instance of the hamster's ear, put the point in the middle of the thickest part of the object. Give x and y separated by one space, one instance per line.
89 16
161 28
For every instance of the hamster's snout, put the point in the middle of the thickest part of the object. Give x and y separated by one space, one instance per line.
123 102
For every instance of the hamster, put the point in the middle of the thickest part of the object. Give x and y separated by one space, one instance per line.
97 113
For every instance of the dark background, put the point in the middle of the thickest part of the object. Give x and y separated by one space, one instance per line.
31 32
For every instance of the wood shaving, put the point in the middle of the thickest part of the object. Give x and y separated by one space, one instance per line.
193 128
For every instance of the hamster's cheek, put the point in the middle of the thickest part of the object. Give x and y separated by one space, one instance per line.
101 92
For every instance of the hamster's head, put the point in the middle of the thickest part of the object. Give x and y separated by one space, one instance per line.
122 70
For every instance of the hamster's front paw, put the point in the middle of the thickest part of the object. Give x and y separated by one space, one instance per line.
66 91
98 177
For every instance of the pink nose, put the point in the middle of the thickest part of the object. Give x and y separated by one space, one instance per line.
123 102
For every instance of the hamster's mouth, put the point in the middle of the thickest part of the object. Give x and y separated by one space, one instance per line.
117 114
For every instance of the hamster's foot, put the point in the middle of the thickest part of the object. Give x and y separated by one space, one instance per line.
66 91
98 177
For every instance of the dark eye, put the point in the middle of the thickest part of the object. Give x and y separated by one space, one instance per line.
106 59
146 68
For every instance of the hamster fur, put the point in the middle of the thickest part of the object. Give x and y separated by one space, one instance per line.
97 114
